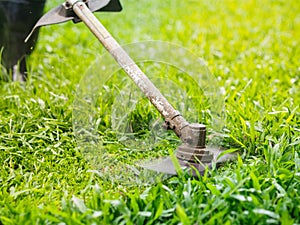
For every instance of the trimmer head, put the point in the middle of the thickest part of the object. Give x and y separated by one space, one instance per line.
192 155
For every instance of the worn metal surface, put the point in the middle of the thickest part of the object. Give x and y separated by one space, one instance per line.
172 117
193 149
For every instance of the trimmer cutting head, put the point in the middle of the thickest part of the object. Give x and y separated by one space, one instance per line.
192 155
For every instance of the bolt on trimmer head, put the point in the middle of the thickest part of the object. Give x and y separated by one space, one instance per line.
192 153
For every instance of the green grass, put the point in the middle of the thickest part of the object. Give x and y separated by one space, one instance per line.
251 47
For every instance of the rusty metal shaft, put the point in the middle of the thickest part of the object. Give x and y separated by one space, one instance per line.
173 119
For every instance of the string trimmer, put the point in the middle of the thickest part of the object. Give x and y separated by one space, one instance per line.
193 152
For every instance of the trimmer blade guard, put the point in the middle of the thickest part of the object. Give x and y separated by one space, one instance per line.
61 14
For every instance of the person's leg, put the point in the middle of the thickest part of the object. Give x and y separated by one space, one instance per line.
16 21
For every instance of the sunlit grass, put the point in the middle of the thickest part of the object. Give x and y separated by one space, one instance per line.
251 47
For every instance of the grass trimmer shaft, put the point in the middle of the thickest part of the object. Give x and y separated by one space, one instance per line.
192 153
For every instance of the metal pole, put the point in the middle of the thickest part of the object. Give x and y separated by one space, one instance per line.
172 117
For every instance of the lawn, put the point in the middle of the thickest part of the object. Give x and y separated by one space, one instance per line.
252 50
